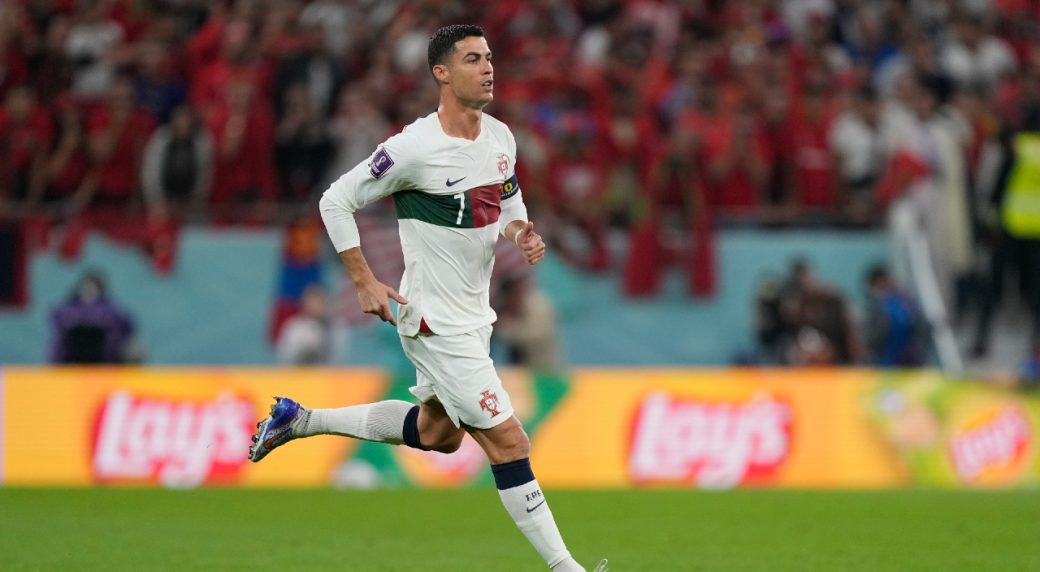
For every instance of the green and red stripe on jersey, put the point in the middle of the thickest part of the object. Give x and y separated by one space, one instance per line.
475 208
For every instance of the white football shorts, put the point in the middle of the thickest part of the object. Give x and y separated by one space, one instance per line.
457 371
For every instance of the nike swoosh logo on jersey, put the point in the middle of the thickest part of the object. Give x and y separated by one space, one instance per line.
532 509
451 183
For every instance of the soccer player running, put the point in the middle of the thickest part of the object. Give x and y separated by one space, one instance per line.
453 180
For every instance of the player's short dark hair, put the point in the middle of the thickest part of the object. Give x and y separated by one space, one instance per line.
442 42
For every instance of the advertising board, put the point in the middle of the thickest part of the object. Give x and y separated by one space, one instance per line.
617 428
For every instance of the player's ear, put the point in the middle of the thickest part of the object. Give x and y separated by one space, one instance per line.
441 73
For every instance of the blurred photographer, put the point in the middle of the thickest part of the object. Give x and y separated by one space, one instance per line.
89 328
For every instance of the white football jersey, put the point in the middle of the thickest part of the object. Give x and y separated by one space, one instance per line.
453 198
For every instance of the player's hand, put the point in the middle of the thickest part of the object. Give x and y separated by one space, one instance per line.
531 244
374 297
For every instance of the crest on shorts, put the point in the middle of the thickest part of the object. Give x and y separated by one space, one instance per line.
489 402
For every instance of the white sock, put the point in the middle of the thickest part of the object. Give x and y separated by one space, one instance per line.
382 422
528 507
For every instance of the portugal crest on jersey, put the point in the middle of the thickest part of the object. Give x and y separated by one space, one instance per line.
503 164
489 402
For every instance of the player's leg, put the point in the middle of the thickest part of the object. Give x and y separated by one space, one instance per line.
434 430
508 448
383 422
394 422
424 426
458 371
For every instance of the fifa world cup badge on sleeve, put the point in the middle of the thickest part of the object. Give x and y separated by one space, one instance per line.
381 163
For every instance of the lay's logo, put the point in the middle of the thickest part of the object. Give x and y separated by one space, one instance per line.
174 442
991 448
713 445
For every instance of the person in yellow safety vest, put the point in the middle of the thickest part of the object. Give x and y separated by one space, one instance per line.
1020 212
1016 199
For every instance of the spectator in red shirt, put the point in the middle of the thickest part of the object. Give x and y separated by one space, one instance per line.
14 38
25 136
632 140
237 63
737 162
109 199
813 189
243 135
674 196
203 46
117 134
577 184
68 171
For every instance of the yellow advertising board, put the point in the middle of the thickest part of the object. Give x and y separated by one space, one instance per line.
171 427
715 429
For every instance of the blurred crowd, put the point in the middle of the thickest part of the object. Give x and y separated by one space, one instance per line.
655 120
802 320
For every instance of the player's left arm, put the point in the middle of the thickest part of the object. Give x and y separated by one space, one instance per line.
517 227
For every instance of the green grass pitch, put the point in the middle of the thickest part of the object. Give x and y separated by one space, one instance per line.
463 531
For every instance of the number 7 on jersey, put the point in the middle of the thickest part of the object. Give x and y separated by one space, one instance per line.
462 207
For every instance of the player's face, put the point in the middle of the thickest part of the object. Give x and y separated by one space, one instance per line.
472 76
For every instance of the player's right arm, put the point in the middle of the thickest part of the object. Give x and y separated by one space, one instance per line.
386 172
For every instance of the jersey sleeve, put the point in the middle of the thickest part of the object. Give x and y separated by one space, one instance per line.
387 171
513 207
